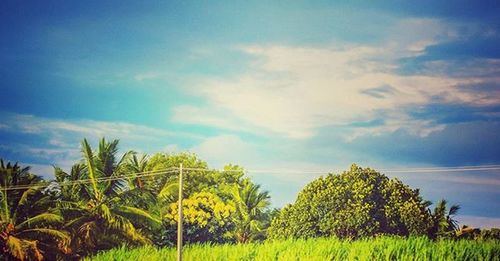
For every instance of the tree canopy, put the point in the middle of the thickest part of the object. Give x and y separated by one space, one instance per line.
356 203
105 201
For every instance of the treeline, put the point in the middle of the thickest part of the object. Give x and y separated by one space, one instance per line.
91 207
106 200
362 202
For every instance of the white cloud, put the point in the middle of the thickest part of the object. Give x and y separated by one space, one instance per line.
395 121
410 37
293 91
86 128
209 115
171 148
225 149
51 153
146 76
62 137
55 155
46 171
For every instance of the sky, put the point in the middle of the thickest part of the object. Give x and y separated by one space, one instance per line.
290 88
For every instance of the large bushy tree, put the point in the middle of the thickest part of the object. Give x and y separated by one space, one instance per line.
357 203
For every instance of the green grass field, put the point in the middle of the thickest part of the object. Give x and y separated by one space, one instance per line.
384 248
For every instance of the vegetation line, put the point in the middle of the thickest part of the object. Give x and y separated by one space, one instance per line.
129 205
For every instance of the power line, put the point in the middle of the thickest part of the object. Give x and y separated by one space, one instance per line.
270 171
98 180
438 170
401 170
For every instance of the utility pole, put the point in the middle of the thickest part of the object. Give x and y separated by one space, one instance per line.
179 222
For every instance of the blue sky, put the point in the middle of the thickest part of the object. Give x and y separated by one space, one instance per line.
311 86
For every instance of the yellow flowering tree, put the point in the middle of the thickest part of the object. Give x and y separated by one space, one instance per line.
206 218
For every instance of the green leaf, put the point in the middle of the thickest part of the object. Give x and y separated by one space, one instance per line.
41 218
63 235
132 211
169 191
89 159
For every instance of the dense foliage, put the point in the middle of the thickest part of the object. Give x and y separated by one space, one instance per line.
107 200
357 203
381 248
207 218
97 215
28 223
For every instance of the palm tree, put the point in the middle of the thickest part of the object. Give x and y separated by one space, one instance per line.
443 222
74 191
100 217
139 193
27 229
251 206
135 164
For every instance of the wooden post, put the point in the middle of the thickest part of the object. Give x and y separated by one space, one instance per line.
179 223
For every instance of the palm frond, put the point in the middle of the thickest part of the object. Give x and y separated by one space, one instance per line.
87 231
76 222
114 187
137 197
24 197
169 191
126 156
44 218
138 213
453 210
105 213
124 226
16 247
89 159
106 156
35 251
60 174
67 204
61 235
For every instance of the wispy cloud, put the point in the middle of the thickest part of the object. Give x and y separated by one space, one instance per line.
214 116
48 141
293 90
224 149
85 128
146 76
45 171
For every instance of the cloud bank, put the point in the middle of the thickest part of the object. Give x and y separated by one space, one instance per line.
294 90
